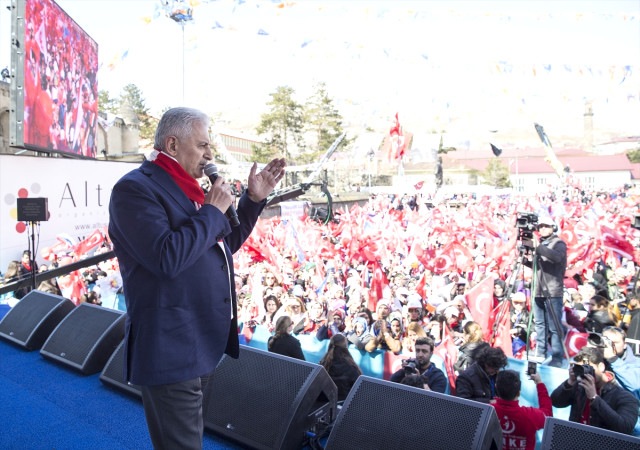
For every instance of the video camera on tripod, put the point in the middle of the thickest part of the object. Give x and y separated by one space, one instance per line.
526 224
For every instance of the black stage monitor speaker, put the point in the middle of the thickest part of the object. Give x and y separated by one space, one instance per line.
86 338
30 322
379 414
112 374
268 401
560 434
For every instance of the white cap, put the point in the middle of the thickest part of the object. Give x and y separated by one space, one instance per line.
546 220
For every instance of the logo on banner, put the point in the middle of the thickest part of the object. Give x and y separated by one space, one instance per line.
12 201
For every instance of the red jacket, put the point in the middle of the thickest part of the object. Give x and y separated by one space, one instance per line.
520 423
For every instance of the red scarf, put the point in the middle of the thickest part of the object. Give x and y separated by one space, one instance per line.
186 182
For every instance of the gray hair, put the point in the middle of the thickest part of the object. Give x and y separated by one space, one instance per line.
178 122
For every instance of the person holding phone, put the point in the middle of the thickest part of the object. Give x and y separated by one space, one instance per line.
520 423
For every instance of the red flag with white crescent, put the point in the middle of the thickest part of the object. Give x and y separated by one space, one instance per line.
574 341
503 337
96 238
480 302
569 236
613 240
448 351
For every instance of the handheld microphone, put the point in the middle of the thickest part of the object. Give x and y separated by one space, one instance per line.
211 171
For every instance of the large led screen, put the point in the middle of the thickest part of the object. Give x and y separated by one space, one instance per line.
57 93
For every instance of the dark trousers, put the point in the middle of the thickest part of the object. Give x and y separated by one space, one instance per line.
174 413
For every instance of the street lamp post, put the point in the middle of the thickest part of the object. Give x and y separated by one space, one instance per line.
180 13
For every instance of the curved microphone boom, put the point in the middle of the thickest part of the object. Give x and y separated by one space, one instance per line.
211 171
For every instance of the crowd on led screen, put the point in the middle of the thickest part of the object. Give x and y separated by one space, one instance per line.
60 82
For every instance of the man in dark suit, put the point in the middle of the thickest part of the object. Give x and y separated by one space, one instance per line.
175 245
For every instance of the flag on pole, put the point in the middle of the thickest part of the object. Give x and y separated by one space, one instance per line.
397 141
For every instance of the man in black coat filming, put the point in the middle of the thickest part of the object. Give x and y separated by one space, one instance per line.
434 378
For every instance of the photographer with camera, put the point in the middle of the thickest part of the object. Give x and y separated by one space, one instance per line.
434 379
623 363
594 396
548 258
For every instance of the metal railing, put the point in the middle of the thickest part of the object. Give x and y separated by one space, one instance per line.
59 271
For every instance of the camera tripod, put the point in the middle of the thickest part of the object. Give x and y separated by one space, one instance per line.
509 289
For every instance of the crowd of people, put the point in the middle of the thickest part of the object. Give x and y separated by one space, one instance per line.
401 274
61 92
392 280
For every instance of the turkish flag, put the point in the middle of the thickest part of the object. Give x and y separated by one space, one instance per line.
419 185
569 236
574 341
613 240
96 238
421 286
397 141
463 257
480 302
448 351
72 286
378 282
392 363
503 338
445 261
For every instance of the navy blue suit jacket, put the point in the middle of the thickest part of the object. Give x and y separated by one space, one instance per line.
178 286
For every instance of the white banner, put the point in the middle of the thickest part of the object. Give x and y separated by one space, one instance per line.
78 193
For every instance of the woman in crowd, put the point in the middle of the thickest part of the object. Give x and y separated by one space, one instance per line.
335 325
271 306
499 291
360 335
435 328
340 365
472 337
12 274
396 326
384 338
50 286
294 308
600 315
367 314
414 331
313 320
282 342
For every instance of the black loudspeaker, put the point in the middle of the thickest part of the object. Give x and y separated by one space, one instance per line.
564 435
86 338
30 322
112 374
268 401
380 414
33 209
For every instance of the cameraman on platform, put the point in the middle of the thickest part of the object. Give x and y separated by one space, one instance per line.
549 257
595 397
435 380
